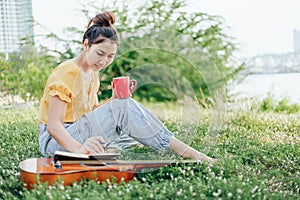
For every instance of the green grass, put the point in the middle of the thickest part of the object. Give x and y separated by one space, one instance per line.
259 155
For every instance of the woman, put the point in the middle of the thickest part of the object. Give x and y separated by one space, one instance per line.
70 118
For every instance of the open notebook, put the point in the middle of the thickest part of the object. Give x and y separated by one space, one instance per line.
63 155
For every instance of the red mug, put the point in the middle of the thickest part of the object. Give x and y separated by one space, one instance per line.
123 86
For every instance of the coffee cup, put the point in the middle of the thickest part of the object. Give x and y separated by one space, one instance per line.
123 86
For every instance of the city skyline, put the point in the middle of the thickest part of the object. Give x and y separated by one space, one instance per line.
16 23
296 35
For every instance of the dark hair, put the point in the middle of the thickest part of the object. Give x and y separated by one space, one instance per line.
100 28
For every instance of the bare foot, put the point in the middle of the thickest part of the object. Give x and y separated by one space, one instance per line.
212 161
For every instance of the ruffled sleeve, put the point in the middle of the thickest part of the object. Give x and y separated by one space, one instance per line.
62 82
60 90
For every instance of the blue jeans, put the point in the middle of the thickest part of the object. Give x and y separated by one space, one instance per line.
121 122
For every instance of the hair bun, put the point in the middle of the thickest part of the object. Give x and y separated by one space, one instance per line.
104 19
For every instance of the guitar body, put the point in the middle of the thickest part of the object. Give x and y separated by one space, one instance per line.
35 170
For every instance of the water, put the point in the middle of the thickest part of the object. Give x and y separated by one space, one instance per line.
279 85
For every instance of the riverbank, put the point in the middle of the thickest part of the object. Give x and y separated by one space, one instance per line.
281 85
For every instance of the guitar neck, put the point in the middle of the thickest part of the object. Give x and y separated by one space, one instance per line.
130 162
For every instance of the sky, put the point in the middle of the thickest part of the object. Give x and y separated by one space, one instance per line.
259 26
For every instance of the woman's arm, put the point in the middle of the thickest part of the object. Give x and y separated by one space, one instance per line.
113 96
57 112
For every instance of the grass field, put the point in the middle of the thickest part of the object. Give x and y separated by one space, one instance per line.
259 158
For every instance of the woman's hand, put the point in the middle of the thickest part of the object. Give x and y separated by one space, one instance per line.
113 95
93 145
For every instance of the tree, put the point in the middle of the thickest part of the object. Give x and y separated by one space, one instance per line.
25 73
172 54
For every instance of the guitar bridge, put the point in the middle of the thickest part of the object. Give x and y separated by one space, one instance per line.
56 164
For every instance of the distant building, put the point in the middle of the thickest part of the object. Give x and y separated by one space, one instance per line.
296 41
15 24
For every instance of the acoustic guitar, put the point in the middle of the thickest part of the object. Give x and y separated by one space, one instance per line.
40 170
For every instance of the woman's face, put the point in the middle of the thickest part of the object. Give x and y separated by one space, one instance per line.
99 56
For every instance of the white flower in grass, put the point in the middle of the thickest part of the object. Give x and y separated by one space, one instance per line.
216 194
191 189
172 177
178 193
49 194
61 187
254 189
239 191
